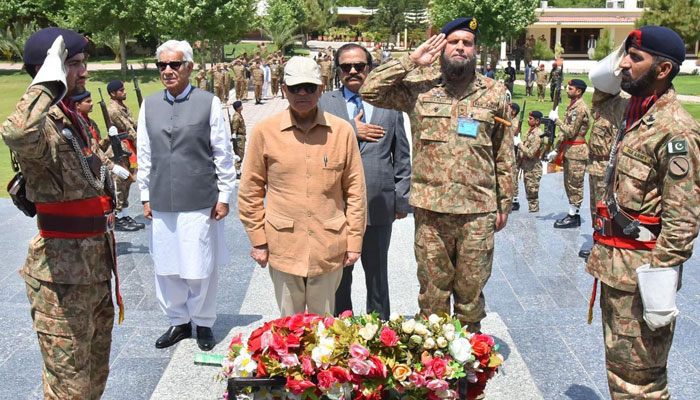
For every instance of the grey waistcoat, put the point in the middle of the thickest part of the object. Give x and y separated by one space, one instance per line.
183 174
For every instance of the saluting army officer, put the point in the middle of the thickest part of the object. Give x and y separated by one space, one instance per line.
646 227
70 262
462 179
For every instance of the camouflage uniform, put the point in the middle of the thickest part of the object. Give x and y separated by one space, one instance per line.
599 145
458 182
240 81
513 130
67 280
226 74
574 128
274 79
201 79
120 116
553 80
326 67
653 179
529 151
541 80
218 82
238 129
258 80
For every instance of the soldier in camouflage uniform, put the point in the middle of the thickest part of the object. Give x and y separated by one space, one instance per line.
226 74
571 150
218 79
541 80
258 80
238 129
655 181
201 79
120 117
553 79
84 106
70 262
462 179
599 146
529 152
326 67
239 79
274 77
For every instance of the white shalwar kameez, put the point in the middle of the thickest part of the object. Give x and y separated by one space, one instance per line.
266 81
188 247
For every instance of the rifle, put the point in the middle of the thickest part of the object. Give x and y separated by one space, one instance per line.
520 126
121 156
136 85
549 125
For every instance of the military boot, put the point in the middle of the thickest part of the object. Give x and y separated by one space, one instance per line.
516 206
584 253
570 221
124 225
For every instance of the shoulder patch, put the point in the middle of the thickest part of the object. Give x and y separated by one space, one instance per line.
677 147
678 166
637 155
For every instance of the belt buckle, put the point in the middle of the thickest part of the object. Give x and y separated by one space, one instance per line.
599 225
631 228
110 219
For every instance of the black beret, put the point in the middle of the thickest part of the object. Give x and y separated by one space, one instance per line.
80 97
578 83
113 86
468 24
657 40
40 42
536 114
515 107
237 104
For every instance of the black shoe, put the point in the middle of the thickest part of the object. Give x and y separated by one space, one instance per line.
133 222
516 206
173 335
205 338
123 225
570 221
584 254
238 175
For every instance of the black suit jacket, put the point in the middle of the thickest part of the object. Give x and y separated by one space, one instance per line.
387 162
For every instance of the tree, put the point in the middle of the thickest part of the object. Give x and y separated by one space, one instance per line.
604 46
683 16
321 15
281 35
211 21
14 37
42 12
112 41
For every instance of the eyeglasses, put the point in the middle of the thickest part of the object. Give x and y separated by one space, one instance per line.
174 65
359 67
308 88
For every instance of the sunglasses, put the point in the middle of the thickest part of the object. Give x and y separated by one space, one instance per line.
174 65
308 88
360 66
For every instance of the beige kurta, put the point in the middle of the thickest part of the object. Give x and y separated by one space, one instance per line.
313 187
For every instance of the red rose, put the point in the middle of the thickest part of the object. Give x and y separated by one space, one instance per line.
307 365
480 349
325 380
262 371
297 386
483 338
254 339
340 374
439 367
328 322
292 341
279 344
297 322
388 337
378 368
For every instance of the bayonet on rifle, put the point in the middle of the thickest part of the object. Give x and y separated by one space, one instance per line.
121 156
136 85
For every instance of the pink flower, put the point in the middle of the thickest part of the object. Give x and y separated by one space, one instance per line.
359 367
438 385
236 340
417 379
340 374
307 365
346 314
378 367
358 351
279 344
289 360
297 386
265 340
325 380
439 367
328 322
388 337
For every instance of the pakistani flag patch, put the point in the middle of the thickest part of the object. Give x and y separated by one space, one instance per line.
677 147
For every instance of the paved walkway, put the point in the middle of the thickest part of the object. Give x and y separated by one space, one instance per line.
537 304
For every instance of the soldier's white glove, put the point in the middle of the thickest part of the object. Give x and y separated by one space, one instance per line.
551 156
54 67
120 171
517 141
657 287
605 74
113 131
554 114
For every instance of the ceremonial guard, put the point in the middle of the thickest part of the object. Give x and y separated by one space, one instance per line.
541 80
68 185
571 150
83 105
240 80
529 152
326 67
553 79
120 117
238 129
258 80
226 75
647 224
462 172
218 78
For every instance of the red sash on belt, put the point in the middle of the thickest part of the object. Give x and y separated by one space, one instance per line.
132 158
625 242
560 156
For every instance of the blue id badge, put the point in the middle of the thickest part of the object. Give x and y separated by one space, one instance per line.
466 126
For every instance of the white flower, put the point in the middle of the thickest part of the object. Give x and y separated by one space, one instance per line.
420 329
321 330
450 336
321 354
434 319
394 316
429 344
408 326
243 365
448 328
368 331
461 350
441 342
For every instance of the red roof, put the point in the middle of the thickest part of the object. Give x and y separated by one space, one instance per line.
578 19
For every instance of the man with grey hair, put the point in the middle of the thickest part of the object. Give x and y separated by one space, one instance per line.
186 177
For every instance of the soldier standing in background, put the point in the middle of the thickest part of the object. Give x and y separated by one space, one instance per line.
510 77
239 79
258 80
571 150
456 213
326 67
280 73
70 262
226 74
647 225
513 130
274 77
541 79
529 152
121 118
201 79
83 105
599 146
377 54
238 129
218 78
553 79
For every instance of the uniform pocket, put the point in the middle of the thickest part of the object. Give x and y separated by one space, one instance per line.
632 182
436 121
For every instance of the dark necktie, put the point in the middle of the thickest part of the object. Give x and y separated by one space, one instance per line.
358 106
